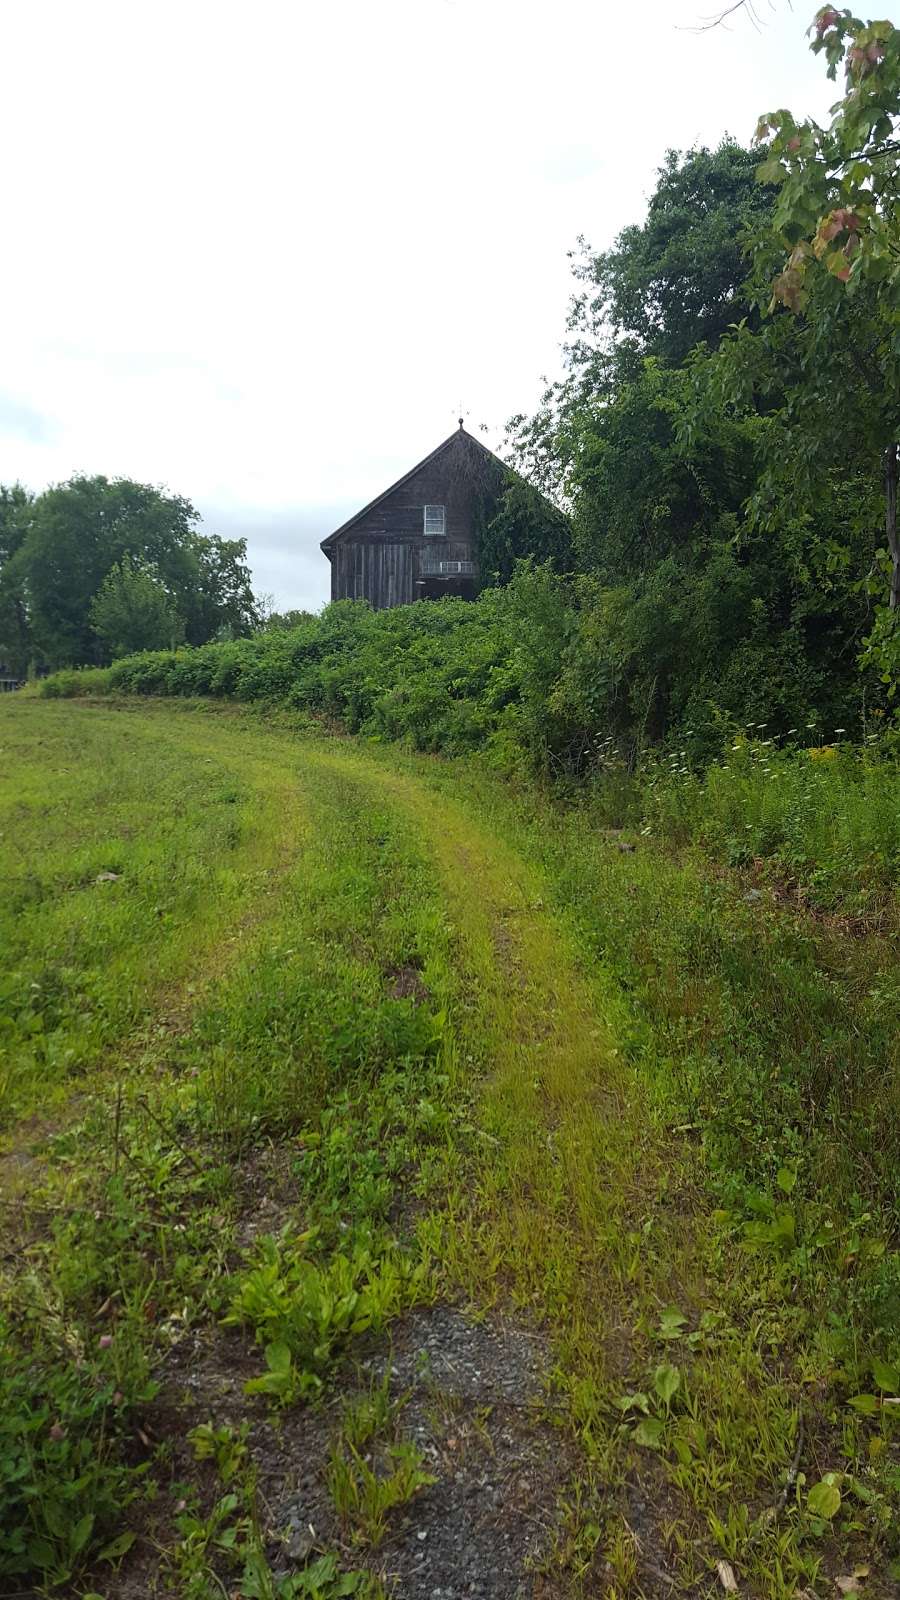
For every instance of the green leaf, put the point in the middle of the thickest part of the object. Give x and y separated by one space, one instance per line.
315 1577
824 1499
649 1433
671 1323
633 1402
278 1378
786 1180
40 1552
770 171
886 1378
865 1404
117 1547
81 1532
666 1382
278 1357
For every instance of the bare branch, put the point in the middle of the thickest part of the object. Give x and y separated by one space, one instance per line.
720 18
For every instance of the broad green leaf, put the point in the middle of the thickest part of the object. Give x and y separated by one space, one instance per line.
786 1180
81 1532
666 1382
315 1577
671 1323
633 1402
824 1499
649 1432
40 1552
117 1547
278 1357
865 1404
770 171
886 1377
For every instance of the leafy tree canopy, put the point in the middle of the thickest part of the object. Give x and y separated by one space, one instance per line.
64 543
132 610
727 551
665 284
15 510
822 363
676 279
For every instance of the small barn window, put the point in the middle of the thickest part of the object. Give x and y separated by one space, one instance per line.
435 520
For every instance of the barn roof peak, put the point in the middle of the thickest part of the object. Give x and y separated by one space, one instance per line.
446 444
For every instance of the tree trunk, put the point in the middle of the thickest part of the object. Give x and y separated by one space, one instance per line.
890 508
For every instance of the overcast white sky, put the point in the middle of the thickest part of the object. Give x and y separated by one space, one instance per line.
259 252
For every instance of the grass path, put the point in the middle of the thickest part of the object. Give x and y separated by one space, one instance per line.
336 1054
111 929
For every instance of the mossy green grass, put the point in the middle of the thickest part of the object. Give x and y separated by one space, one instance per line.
502 1059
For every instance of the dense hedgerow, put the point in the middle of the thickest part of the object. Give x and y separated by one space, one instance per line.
538 678
541 670
451 676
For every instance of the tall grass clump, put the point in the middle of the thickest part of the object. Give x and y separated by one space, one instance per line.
826 816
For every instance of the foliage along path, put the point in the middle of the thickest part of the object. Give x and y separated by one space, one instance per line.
400 1278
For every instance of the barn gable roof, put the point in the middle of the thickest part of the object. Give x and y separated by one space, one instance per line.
448 444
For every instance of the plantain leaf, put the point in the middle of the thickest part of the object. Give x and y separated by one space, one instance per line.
824 1499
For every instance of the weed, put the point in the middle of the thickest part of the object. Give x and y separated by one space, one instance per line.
363 1497
302 1311
225 1446
369 1414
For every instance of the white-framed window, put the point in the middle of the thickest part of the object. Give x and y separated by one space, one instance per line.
435 521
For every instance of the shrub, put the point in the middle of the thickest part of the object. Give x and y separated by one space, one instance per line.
76 681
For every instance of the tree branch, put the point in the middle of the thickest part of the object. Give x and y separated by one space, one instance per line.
720 19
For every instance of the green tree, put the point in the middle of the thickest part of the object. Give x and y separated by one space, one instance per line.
219 600
720 576
284 621
79 530
132 611
641 492
824 364
665 284
15 631
677 278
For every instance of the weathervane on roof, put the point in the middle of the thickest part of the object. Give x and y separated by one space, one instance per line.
462 414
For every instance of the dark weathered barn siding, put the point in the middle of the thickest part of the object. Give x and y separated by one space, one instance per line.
361 568
383 554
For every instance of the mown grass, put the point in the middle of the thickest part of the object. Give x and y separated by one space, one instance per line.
125 1226
646 1098
697 1158
102 918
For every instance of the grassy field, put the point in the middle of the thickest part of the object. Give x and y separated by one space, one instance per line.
306 1044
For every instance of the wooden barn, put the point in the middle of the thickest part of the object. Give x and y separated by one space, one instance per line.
416 541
